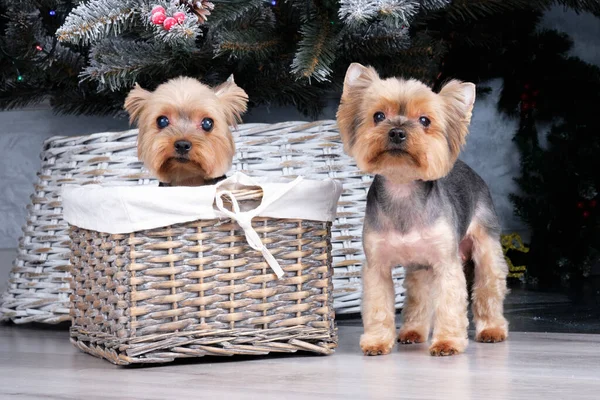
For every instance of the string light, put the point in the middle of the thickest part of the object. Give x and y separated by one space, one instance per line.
52 13
273 2
39 48
19 78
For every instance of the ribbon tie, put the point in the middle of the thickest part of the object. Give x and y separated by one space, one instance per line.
244 220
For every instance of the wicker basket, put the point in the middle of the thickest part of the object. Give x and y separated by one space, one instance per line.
198 288
38 285
39 281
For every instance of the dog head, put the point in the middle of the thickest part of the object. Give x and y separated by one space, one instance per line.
184 136
401 129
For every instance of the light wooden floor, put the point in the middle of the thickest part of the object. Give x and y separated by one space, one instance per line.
42 364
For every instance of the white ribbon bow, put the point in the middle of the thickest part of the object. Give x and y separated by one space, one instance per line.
244 220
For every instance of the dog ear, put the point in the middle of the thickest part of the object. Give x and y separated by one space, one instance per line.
358 76
135 101
234 100
459 98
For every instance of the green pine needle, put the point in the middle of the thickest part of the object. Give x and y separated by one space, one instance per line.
316 51
97 19
113 71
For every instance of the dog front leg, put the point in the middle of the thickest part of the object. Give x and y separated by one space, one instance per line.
417 309
450 298
378 310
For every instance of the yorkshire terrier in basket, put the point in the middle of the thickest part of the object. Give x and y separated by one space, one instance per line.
184 137
426 210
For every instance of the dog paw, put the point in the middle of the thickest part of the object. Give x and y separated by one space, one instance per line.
410 336
441 348
492 335
376 346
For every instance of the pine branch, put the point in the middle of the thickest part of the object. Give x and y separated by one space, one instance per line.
375 38
20 94
420 60
578 6
316 51
226 12
246 43
464 10
62 64
113 71
281 88
86 100
98 19
23 29
395 12
184 33
435 4
305 10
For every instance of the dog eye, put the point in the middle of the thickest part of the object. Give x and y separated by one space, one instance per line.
207 124
378 117
424 121
162 122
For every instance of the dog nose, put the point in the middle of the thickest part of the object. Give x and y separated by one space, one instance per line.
182 146
397 135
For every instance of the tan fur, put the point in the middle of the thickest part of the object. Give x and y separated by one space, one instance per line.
441 288
365 94
436 293
417 311
186 102
378 310
489 288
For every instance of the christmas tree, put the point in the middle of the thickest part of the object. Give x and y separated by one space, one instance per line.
560 169
85 55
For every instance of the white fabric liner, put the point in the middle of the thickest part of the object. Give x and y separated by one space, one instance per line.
128 209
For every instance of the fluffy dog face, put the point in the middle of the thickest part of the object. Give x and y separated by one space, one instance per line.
400 128
184 136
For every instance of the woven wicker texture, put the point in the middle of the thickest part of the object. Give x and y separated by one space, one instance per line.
198 289
38 284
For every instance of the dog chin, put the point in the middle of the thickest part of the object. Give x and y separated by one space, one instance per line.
181 160
396 152
181 168
395 157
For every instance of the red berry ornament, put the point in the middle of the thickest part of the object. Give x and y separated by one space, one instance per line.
158 18
157 9
586 214
179 16
593 203
580 204
169 22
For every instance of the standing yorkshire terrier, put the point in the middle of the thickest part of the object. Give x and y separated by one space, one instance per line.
184 137
425 211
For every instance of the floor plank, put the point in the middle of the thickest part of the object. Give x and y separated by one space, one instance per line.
42 364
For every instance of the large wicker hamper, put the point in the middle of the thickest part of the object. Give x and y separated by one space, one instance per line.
38 285
219 282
